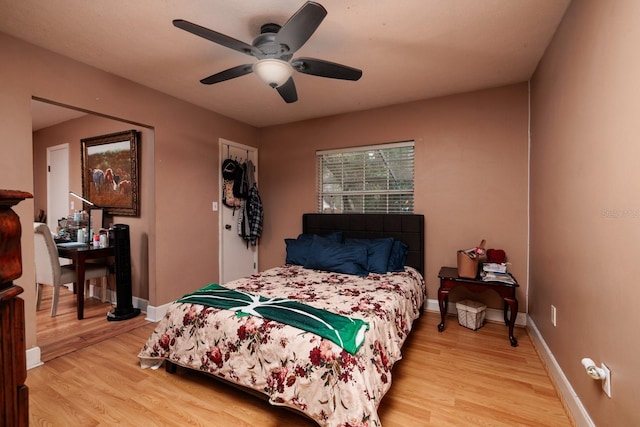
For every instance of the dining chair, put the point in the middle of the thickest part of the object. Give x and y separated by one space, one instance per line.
50 272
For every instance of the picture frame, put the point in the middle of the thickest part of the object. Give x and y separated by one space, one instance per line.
110 172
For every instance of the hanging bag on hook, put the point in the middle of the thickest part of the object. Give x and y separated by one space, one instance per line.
240 184
230 170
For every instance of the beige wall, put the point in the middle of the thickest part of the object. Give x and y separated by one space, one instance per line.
470 174
71 132
185 161
585 209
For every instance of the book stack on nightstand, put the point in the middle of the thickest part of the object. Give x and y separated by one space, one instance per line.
494 272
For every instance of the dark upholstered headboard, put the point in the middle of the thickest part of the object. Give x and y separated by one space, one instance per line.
408 228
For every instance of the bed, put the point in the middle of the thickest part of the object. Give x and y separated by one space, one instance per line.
330 383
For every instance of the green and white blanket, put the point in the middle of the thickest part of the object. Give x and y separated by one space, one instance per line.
347 332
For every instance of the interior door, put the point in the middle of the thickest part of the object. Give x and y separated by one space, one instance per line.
237 259
57 184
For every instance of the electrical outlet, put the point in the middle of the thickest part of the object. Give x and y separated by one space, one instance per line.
553 315
606 381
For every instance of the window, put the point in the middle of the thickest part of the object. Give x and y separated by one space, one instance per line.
371 179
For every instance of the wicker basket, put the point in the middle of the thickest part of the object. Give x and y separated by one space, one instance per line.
471 313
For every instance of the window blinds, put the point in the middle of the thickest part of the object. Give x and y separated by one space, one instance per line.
370 179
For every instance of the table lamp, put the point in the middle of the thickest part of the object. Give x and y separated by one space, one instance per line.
89 236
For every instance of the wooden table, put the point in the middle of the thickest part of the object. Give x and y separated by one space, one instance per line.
449 280
80 255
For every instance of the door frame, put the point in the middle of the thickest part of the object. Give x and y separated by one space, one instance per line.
222 143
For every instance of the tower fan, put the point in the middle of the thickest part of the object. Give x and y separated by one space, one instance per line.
119 235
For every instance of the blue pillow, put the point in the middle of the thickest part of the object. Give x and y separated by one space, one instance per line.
335 236
378 251
328 255
297 251
398 256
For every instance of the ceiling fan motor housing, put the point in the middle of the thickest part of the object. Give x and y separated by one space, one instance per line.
266 43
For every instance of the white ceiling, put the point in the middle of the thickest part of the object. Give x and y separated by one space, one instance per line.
408 49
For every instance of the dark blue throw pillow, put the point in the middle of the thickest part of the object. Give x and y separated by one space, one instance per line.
328 255
398 256
378 251
297 251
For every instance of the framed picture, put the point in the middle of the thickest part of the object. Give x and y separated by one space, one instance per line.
110 178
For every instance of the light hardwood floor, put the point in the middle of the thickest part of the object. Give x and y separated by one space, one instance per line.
455 378
64 333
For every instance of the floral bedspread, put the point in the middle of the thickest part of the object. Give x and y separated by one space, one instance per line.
292 367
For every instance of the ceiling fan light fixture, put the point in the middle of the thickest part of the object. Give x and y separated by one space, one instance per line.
273 72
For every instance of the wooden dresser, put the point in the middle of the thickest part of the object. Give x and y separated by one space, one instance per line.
14 394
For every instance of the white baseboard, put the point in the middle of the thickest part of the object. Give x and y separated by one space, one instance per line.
491 314
140 303
580 414
33 358
155 314
94 292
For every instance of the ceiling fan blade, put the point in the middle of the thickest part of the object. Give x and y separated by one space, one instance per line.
231 73
288 91
297 30
319 67
216 37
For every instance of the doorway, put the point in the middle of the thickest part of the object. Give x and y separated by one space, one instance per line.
57 184
237 258
52 124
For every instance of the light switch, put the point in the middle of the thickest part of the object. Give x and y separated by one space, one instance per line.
214 206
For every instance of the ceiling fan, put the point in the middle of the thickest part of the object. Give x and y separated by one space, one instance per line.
274 48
